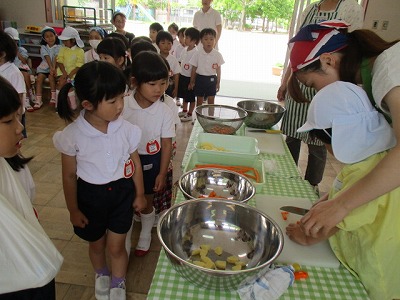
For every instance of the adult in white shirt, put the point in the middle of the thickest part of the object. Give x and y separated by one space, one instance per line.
208 17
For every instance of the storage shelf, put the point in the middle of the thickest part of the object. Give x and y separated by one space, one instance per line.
83 18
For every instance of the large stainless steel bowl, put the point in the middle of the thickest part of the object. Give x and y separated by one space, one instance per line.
261 114
226 184
241 230
220 119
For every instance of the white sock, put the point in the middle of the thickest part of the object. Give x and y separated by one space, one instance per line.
57 92
145 234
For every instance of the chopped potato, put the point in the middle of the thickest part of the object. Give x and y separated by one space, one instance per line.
236 268
232 259
206 259
218 250
195 251
220 264
205 247
210 265
203 252
199 263
240 263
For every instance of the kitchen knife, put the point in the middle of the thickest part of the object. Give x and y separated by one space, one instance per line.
295 210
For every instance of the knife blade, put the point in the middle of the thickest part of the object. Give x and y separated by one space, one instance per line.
295 210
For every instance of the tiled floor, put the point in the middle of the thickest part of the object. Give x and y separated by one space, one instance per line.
76 278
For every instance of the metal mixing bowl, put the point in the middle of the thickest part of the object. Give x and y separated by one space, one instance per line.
221 119
261 114
229 185
241 230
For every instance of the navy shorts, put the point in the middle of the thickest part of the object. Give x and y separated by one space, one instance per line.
205 86
151 169
107 207
183 91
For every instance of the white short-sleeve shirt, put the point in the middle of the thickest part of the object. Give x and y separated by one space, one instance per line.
206 63
91 55
173 107
209 19
385 74
100 156
178 52
155 121
173 64
11 72
186 67
175 44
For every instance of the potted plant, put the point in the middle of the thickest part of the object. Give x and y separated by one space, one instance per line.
277 69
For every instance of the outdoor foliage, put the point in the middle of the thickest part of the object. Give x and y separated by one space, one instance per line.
265 15
247 11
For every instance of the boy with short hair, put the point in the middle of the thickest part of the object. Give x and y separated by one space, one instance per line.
206 68
192 37
173 30
181 45
154 29
164 42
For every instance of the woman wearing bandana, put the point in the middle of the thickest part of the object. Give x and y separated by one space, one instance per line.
344 117
296 113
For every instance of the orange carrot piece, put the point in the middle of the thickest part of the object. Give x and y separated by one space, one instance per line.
284 215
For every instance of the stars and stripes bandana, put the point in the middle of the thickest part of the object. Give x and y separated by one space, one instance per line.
315 39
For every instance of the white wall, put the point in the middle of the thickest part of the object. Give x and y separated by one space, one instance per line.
24 12
380 11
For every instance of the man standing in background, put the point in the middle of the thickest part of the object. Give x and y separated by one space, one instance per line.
208 17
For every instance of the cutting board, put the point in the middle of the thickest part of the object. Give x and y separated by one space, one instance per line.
318 255
267 142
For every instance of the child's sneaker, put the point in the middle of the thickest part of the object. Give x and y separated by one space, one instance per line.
52 102
178 102
102 287
37 105
187 118
182 114
119 292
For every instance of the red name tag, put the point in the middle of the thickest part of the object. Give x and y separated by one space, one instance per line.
129 168
152 147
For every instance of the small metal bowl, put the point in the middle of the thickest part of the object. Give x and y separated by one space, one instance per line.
241 230
220 119
261 114
201 183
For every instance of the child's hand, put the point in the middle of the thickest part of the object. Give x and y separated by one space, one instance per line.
139 203
217 89
78 219
160 183
191 86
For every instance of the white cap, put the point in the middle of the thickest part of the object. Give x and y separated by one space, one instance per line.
358 129
71 33
12 32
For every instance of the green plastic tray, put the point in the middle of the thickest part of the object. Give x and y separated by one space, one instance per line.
232 144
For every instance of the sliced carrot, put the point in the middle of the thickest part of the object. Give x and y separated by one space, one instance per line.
284 215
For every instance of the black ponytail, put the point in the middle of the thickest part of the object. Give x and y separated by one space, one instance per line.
63 108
